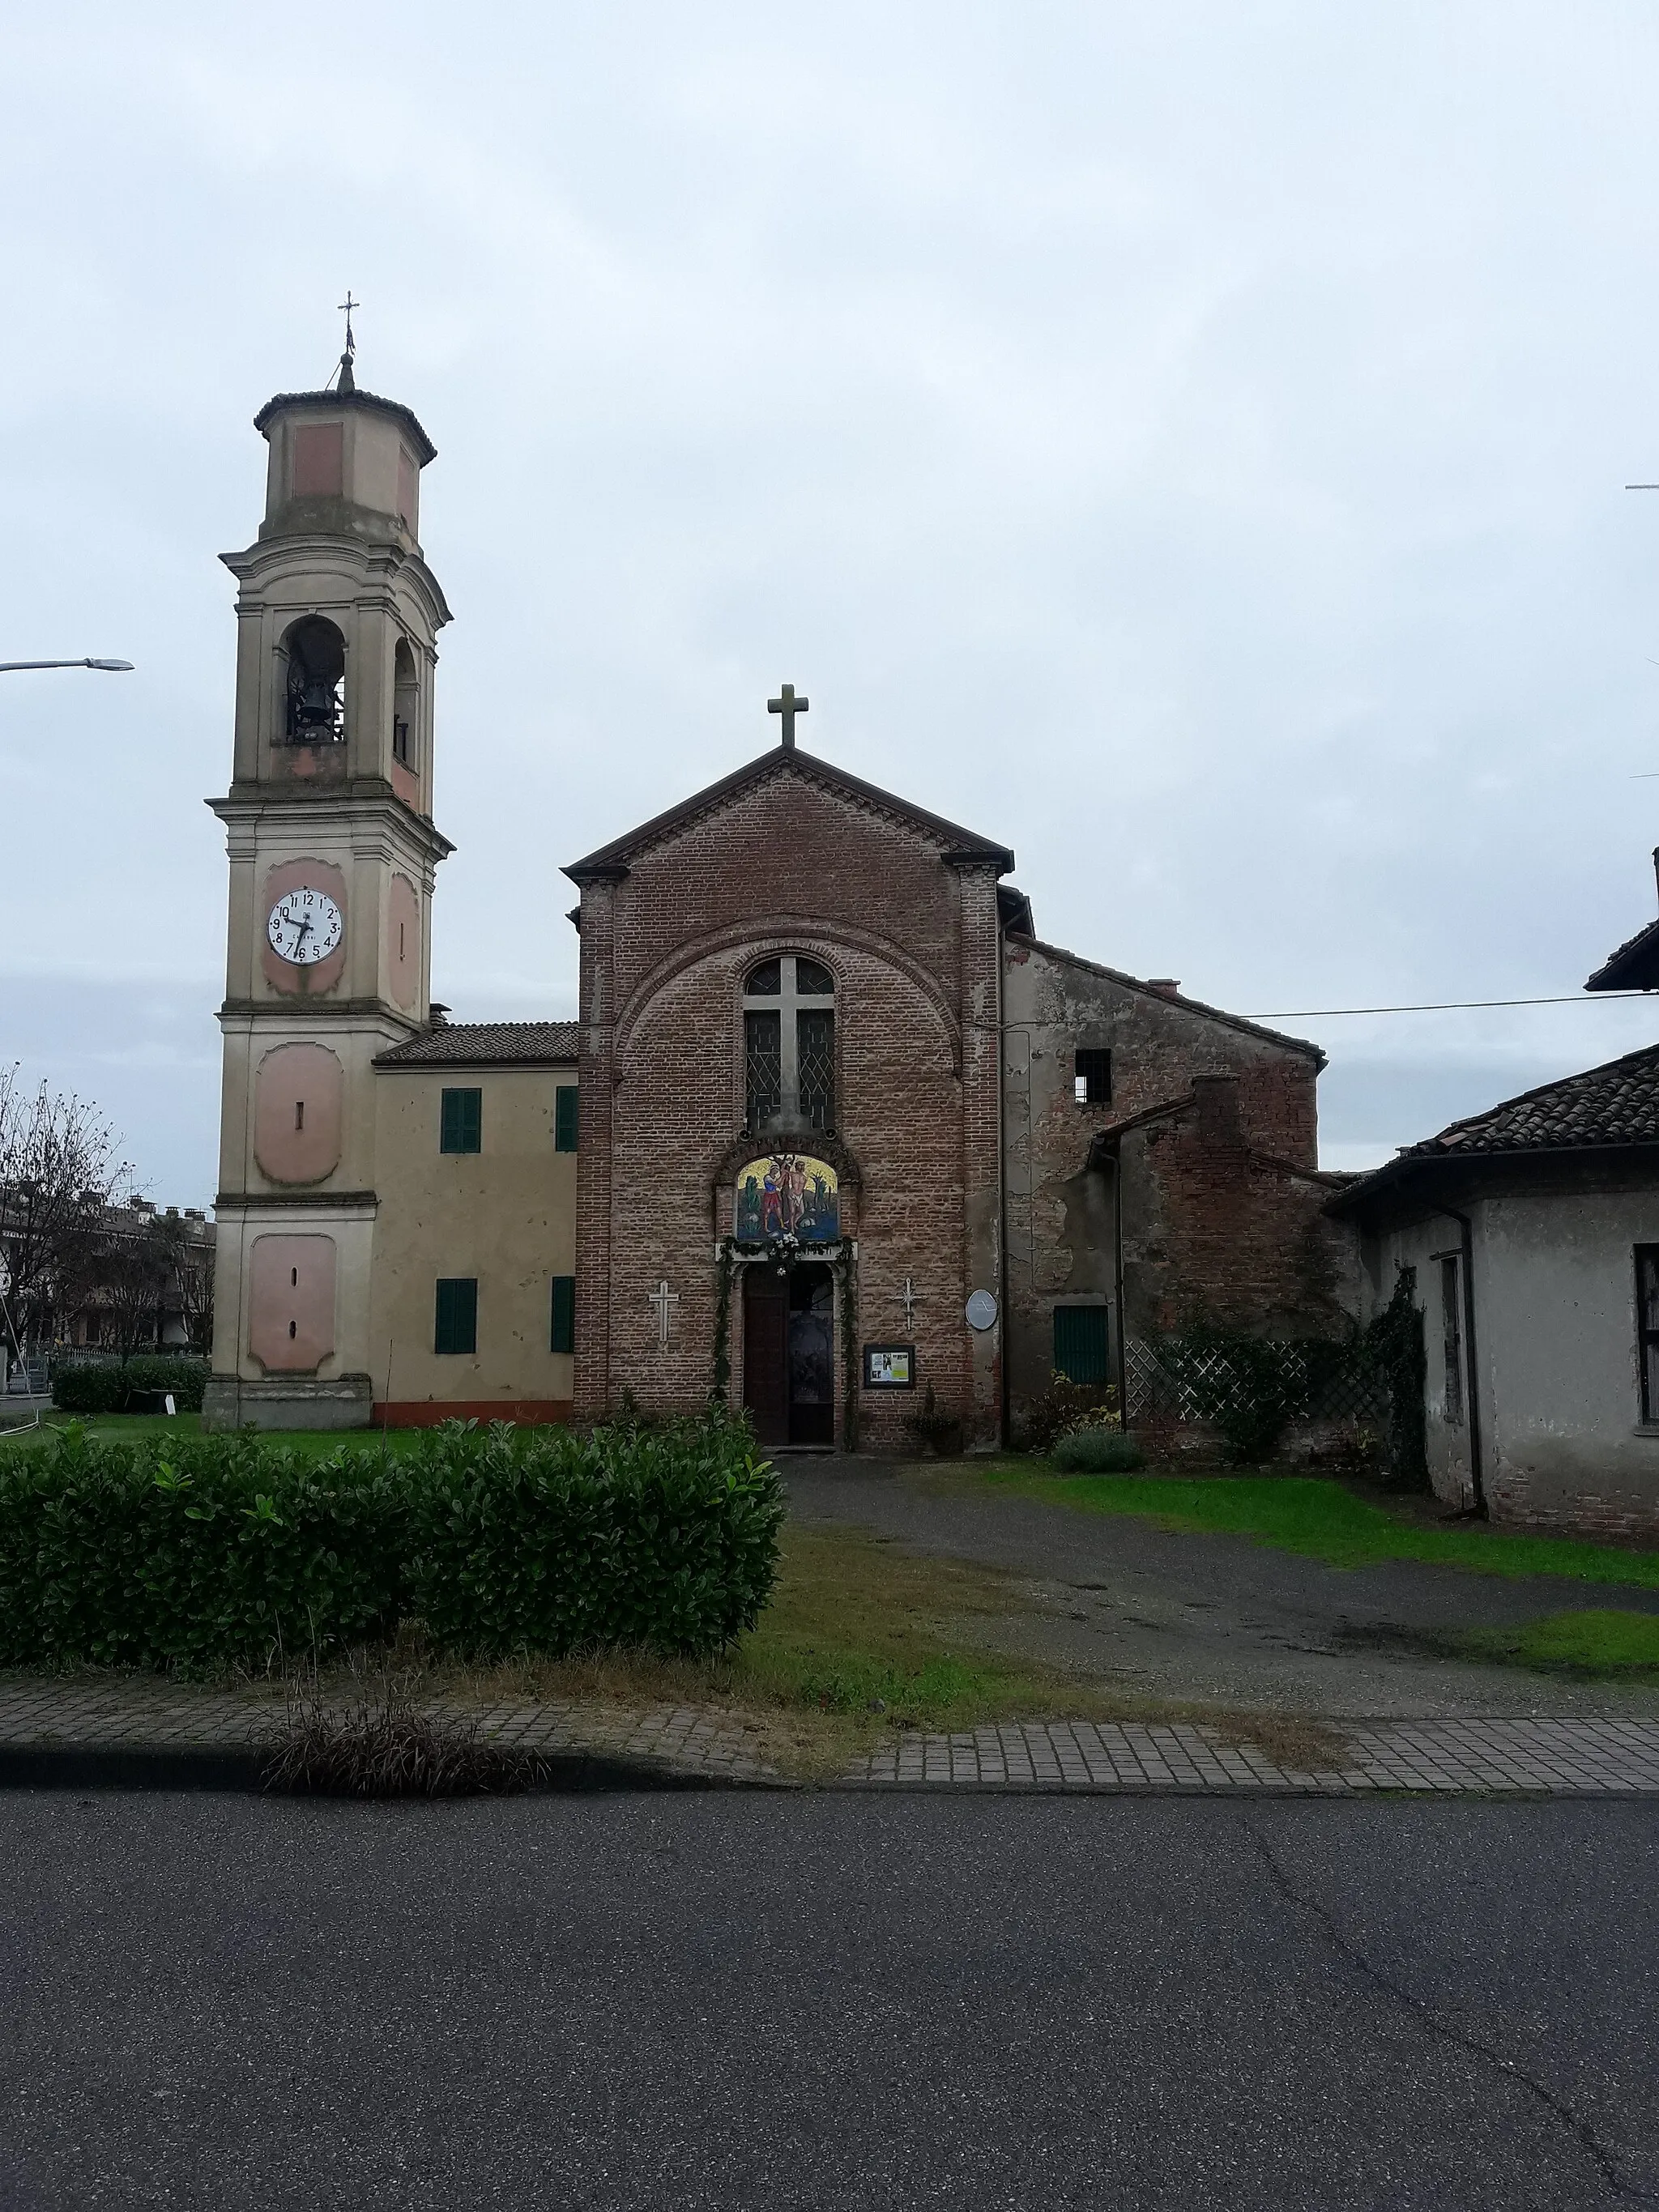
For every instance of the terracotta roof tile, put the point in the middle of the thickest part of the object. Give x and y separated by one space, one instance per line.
492 1044
1617 1103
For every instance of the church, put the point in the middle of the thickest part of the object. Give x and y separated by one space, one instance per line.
843 1145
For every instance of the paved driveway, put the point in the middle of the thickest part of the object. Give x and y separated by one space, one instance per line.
1218 1617
711 2003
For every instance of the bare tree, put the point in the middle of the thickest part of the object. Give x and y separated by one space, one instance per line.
58 1174
135 1266
193 1281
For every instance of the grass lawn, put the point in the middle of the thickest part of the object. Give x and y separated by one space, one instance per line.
1604 1646
1323 1520
861 1637
314 1443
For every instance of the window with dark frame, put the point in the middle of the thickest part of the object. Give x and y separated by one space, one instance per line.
1091 1078
789 1044
1082 1348
1647 1329
564 1118
762 1053
563 1337
455 1326
1451 1327
460 1122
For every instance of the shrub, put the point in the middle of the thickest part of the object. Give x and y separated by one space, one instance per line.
543 1540
1095 1449
111 1387
184 1374
204 1552
191 1551
932 1430
1065 1405
91 1390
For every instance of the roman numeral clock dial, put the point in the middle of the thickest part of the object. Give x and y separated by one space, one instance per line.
304 927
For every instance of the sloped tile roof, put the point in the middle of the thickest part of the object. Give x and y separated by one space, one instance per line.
491 1044
1617 1103
810 768
1633 967
1170 997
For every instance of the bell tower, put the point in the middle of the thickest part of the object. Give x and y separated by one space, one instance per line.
328 822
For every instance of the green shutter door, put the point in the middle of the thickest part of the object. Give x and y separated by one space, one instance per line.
456 1325
564 1118
564 1309
1080 1347
460 1127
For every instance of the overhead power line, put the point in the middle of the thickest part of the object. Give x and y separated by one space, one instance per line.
1450 1006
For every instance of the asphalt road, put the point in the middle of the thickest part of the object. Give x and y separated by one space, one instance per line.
771 2000
1219 1618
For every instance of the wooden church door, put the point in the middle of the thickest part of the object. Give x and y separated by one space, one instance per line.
766 1352
789 1353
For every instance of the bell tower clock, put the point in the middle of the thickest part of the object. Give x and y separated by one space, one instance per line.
328 822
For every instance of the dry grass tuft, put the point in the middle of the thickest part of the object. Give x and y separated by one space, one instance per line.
385 1746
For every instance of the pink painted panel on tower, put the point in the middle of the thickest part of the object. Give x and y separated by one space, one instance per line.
298 1096
318 459
291 1303
403 942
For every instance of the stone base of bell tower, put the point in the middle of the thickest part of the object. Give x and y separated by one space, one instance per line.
286 1402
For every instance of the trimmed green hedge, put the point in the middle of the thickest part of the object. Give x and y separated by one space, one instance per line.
111 1389
91 1390
196 1553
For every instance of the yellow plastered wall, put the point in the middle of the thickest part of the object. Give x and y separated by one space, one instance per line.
505 1215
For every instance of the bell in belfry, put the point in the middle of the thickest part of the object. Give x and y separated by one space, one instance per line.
316 663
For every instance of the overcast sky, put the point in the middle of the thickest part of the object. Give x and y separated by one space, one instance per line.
1185 443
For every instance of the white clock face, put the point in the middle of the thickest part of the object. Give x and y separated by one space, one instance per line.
304 927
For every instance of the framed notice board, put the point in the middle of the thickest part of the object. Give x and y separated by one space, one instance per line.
890 1367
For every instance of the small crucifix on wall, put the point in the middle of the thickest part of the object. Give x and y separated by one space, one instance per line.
907 1300
664 1300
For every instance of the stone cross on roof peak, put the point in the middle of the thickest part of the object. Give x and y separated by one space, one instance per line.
789 705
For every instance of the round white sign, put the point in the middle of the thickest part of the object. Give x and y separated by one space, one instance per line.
981 1310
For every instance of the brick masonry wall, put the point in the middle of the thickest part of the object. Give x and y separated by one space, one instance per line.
1222 1215
786 867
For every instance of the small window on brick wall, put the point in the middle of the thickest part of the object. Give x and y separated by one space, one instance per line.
564 1313
460 1122
564 1118
455 1327
1092 1076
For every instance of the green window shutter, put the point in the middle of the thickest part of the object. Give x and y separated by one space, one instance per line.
564 1118
456 1328
564 1309
460 1126
1081 1353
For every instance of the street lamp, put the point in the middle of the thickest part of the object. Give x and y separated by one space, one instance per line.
9 667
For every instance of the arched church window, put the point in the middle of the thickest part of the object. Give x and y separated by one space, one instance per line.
406 704
316 683
789 1044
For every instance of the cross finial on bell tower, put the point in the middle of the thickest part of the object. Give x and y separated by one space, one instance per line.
348 377
789 705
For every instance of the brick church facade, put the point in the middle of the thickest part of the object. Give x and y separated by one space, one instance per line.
823 1138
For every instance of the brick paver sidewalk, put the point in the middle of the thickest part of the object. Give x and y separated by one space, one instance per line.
1561 1758
1555 1757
